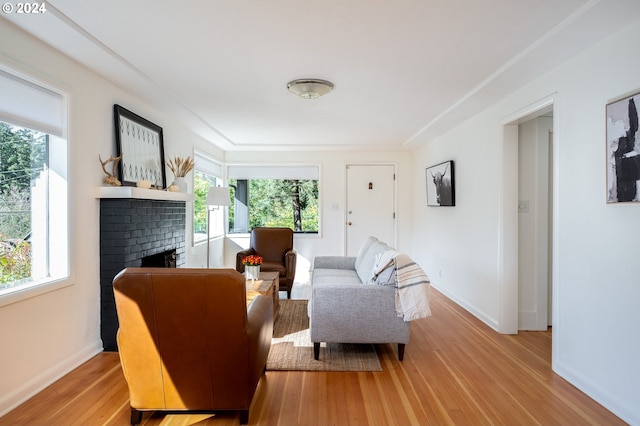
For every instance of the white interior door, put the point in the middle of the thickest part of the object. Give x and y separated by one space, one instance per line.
370 205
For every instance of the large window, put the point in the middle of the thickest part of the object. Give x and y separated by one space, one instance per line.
206 174
33 189
284 196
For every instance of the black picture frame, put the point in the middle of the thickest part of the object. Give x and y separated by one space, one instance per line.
141 144
441 185
623 158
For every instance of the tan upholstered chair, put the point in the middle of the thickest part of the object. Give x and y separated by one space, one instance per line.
275 245
188 341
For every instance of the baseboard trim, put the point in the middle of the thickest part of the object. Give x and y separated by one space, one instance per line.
38 383
627 412
482 316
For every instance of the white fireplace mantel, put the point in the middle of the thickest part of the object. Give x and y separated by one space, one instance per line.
141 193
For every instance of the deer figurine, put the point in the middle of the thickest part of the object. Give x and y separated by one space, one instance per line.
111 178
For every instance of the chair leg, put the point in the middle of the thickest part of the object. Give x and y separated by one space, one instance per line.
244 417
136 416
316 350
400 351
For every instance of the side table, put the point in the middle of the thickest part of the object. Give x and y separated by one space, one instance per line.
268 284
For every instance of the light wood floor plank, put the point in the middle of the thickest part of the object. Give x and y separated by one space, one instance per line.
456 371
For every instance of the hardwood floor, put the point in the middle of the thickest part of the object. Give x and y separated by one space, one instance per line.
456 370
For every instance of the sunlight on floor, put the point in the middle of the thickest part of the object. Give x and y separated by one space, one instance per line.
300 290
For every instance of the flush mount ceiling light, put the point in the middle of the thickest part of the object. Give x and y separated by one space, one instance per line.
309 88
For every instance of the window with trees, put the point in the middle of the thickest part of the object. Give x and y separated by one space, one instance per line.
285 196
33 188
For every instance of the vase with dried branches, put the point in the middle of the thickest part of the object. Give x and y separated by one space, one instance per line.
180 166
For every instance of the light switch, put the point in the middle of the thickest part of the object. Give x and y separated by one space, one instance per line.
523 206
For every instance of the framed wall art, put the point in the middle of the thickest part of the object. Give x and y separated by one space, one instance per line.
141 144
440 185
623 150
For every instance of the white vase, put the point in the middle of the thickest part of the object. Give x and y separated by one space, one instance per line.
181 183
252 272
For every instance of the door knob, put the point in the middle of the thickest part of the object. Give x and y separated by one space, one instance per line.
349 223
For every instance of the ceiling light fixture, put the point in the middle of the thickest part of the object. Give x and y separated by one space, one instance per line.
309 88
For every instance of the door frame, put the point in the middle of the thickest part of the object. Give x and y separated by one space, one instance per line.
508 212
395 198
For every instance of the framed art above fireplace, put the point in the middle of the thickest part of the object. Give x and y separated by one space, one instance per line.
141 144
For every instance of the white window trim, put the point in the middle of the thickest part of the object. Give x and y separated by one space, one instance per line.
302 171
58 190
265 171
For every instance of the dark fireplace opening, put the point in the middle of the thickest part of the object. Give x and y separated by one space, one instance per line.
166 259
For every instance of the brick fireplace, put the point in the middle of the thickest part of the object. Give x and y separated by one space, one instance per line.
132 229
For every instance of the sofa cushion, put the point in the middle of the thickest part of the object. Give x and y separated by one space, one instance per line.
274 267
335 276
334 262
366 268
330 272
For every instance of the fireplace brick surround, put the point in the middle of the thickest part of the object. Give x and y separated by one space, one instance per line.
131 229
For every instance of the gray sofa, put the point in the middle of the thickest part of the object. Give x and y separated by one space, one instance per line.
349 304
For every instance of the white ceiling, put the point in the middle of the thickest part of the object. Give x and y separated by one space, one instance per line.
404 71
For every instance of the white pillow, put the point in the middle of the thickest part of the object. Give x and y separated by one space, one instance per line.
364 248
384 269
383 259
365 269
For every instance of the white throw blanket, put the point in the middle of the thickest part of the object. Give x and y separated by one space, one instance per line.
413 285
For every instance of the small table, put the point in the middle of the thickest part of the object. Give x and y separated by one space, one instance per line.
267 284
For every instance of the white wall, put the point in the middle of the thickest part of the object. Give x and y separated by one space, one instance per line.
45 336
596 291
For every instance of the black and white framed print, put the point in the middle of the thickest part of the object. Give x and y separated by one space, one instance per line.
440 185
141 145
623 150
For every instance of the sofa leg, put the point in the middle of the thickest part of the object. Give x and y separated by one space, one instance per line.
244 417
400 351
316 350
136 416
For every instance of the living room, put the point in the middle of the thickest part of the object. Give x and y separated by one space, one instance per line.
466 250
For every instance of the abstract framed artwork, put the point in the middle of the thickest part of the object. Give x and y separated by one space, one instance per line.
141 145
441 185
623 150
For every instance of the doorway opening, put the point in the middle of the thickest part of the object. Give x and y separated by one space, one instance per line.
528 210
535 143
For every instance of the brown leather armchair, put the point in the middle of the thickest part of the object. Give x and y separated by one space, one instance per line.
188 341
275 245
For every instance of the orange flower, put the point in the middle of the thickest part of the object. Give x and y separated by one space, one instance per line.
252 260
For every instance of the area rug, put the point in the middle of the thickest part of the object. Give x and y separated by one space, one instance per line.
291 347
